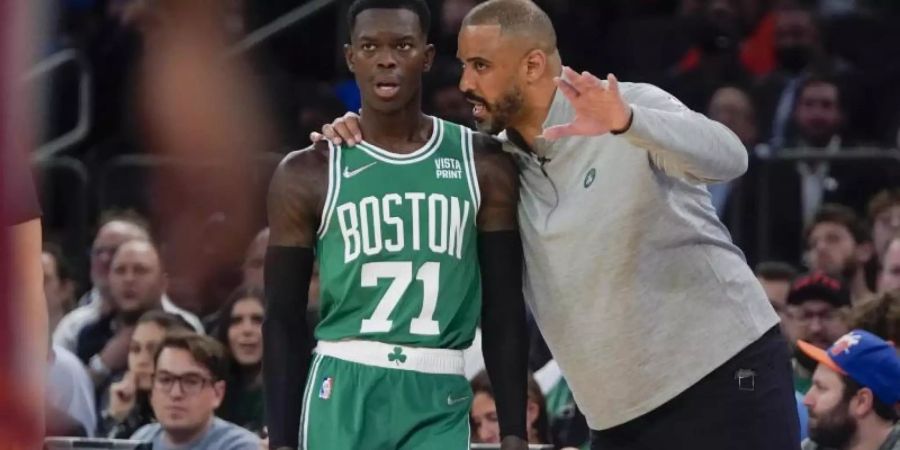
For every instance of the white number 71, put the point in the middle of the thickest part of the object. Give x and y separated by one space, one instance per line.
401 273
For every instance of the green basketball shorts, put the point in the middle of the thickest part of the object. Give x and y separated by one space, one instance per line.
365 395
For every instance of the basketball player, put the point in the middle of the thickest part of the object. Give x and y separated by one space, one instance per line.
664 335
403 226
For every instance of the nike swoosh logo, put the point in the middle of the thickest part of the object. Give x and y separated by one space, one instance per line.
452 401
352 173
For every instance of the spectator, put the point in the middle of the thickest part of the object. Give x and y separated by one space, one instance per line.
795 190
757 26
486 428
880 315
818 117
819 123
776 279
448 103
889 277
718 34
735 201
252 274
822 303
70 395
856 385
798 50
255 260
568 426
137 282
839 245
444 98
114 230
884 215
59 286
733 108
128 399
241 333
318 103
188 386
70 400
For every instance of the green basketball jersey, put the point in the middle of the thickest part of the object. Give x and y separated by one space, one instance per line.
397 254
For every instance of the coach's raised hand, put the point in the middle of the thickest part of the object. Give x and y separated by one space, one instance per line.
599 107
343 129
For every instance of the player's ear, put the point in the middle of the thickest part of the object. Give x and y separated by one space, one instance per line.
535 64
429 56
348 56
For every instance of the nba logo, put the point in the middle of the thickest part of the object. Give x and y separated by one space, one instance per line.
325 390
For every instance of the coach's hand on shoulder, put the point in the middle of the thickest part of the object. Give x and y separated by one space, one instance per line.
599 107
513 443
343 129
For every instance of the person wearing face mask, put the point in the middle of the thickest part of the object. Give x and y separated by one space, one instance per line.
718 34
798 51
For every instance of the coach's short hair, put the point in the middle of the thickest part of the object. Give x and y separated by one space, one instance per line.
515 16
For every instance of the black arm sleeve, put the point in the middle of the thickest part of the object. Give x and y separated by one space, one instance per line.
286 352
504 333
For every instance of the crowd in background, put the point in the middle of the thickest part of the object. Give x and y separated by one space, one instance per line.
782 75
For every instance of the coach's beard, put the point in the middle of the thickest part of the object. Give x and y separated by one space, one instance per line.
498 115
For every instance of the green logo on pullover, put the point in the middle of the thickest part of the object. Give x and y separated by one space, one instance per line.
590 177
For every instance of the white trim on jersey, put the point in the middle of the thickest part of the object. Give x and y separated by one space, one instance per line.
310 388
334 187
468 152
437 135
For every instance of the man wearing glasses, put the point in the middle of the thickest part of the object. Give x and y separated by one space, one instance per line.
188 386
821 303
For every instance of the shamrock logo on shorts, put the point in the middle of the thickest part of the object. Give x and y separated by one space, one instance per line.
397 357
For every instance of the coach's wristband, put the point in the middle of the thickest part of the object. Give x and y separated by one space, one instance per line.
628 124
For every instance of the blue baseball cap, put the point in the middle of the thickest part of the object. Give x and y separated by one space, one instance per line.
867 359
